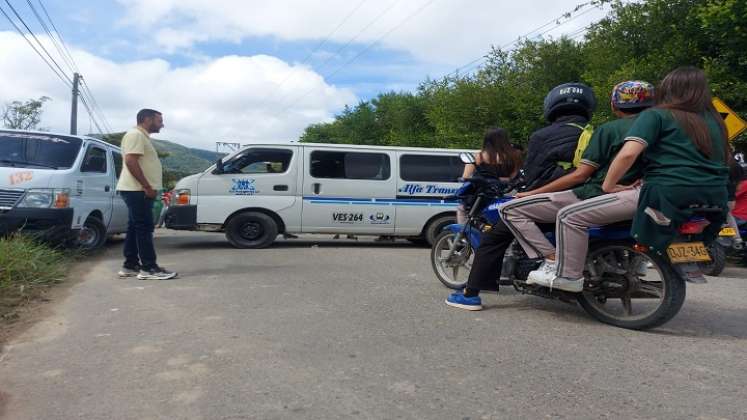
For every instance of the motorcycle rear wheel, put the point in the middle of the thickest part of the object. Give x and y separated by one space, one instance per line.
633 290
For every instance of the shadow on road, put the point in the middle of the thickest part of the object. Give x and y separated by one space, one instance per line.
181 243
703 322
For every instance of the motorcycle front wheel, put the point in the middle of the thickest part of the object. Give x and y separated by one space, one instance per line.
451 267
629 288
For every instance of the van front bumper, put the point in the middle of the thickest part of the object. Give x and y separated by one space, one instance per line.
181 217
52 225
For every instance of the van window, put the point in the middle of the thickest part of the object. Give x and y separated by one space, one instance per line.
31 150
350 165
430 168
117 163
94 161
259 161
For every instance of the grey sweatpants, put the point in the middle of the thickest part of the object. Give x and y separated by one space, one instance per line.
573 218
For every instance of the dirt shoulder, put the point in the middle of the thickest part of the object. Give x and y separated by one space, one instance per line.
22 313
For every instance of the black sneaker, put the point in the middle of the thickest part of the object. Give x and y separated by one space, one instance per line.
129 271
156 273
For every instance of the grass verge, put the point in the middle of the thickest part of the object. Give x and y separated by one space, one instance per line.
27 269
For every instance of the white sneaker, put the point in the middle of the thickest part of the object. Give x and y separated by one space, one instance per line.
544 274
125 272
157 273
569 285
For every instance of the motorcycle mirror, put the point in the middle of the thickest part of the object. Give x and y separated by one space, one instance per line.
467 158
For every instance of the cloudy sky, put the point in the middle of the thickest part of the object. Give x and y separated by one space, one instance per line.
251 70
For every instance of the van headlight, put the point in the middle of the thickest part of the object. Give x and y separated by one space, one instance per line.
182 197
45 198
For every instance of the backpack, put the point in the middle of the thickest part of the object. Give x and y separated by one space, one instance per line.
583 142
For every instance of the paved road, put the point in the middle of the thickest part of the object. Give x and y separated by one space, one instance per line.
359 330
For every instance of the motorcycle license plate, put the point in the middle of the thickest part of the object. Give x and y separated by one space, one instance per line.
727 232
688 252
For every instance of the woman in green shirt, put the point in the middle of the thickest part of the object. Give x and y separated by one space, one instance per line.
683 140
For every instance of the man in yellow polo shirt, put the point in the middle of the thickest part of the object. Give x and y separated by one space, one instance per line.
141 178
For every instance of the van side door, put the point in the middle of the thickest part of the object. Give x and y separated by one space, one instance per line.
97 183
262 177
348 191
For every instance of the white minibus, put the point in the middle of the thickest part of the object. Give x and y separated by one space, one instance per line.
268 189
60 187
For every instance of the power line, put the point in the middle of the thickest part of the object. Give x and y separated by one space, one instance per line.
308 56
558 21
94 104
13 9
350 41
85 104
366 49
54 65
65 81
292 71
51 37
59 35
64 52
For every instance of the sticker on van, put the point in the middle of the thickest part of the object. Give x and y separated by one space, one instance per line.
379 219
413 189
243 187
347 218
21 177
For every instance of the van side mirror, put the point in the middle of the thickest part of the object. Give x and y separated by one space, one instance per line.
219 167
467 158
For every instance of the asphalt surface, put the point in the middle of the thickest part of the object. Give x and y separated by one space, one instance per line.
315 328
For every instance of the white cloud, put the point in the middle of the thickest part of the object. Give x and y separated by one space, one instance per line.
235 98
447 31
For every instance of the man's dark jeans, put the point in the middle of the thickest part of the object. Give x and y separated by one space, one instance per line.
138 247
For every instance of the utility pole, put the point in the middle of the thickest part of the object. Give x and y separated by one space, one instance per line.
74 108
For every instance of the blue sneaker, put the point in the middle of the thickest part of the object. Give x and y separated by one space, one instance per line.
458 300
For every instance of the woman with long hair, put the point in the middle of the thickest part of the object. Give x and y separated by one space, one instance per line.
497 158
686 154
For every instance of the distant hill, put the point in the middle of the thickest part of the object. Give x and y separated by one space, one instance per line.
175 157
185 159
178 161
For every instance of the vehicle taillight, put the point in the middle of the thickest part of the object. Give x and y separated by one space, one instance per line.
693 227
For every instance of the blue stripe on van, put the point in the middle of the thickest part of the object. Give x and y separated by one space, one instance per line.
382 201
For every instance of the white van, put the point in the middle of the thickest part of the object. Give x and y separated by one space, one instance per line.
265 190
60 187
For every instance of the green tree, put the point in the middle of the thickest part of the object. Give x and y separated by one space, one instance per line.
23 115
636 40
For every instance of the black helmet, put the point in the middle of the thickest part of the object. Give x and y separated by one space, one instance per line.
570 96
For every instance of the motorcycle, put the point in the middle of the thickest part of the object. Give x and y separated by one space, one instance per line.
626 284
726 245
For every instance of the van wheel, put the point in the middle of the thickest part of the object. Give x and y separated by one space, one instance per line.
92 235
251 230
435 227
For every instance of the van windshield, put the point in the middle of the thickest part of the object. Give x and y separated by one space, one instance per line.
27 150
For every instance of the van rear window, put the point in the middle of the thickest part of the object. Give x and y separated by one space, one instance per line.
350 165
27 150
430 168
